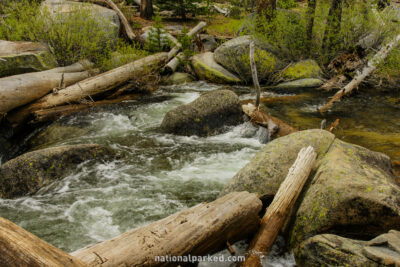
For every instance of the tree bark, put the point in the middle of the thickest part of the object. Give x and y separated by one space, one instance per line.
146 9
367 70
254 74
18 247
266 8
200 230
310 22
280 208
332 30
174 64
127 27
22 89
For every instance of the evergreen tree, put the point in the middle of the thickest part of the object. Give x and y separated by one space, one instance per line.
180 7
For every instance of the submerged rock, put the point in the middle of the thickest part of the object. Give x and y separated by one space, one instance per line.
21 57
179 78
302 70
235 56
333 250
351 190
207 69
31 171
204 116
302 83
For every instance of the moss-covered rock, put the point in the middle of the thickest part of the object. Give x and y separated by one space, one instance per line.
204 116
269 167
29 172
207 69
179 78
301 70
302 83
235 56
22 57
333 250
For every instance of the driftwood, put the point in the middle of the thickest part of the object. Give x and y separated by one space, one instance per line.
371 66
221 10
254 74
335 82
173 64
128 30
22 89
21 248
276 127
192 32
280 208
200 230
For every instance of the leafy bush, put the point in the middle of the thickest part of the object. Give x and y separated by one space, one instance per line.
157 40
286 4
123 54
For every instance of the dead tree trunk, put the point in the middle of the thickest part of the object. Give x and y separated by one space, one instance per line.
281 206
254 74
21 248
200 230
127 27
266 8
146 9
367 70
310 21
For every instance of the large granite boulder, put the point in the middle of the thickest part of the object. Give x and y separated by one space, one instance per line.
234 55
107 18
207 69
31 171
304 69
22 57
351 189
205 116
333 250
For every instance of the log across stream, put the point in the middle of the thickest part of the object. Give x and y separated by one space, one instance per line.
157 174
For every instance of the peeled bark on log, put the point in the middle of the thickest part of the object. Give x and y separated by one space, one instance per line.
371 67
18 90
18 247
280 208
192 32
197 231
102 82
128 30
254 74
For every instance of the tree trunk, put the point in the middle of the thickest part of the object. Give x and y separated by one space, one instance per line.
331 39
266 8
18 247
146 9
310 22
254 74
280 208
200 230
22 89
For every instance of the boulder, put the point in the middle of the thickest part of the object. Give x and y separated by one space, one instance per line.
301 70
207 69
107 18
351 190
209 42
302 83
21 57
179 78
31 171
333 250
205 116
165 36
234 55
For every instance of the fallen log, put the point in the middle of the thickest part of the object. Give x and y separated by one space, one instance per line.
222 11
18 90
280 208
102 82
200 230
276 127
371 66
192 32
172 66
335 82
21 248
128 30
254 74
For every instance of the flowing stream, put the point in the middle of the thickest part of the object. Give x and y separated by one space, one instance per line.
154 174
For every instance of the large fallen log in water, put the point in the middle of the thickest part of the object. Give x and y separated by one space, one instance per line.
22 89
200 230
18 247
281 206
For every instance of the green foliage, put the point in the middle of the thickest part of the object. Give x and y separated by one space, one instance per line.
123 54
157 41
186 42
181 8
286 4
72 36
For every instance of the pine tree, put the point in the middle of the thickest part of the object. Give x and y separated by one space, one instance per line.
180 7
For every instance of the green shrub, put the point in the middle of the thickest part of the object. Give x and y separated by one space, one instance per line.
156 41
286 4
181 8
123 54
